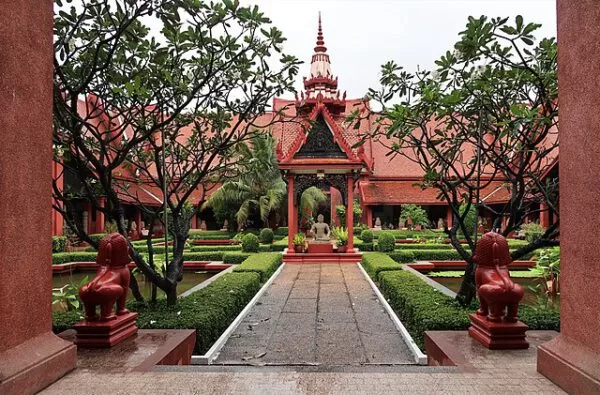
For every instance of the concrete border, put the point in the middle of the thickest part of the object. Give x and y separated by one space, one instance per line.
420 358
446 291
205 283
213 352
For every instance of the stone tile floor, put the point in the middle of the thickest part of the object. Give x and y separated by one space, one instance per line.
487 372
317 314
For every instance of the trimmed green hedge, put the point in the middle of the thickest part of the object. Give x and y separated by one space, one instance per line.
280 245
365 246
250 243
235 247
436 255
424 246
367 236
235 257
209 311
63 320
386 242
422 308
402 256
265 264
59 244
412 234
282 231
97 236
377 262
64 257
209 235
203 256
266 236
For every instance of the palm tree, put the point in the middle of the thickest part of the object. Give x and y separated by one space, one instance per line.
309 202
259 185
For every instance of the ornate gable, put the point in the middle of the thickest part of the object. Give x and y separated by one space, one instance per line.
320 142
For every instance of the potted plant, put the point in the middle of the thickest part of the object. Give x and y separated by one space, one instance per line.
299 242
341 234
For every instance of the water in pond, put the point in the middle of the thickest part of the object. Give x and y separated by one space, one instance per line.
190 279
532 286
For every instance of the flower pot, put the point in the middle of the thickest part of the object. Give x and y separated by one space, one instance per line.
342 249
299 249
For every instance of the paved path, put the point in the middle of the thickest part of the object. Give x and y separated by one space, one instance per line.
317 314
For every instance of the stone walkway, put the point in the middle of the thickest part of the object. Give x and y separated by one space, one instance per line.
317 315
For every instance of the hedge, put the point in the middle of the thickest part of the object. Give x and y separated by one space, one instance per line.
64 257
59 243
97 236
412 234
436 255
364 246
203 256
63 320
236 247
235 257
367 236
377 262
402 256
422 308
265 264
281 231
386 242
209 311
425 246
209 235
266 236
280 245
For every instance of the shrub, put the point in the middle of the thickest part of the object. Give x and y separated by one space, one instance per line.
209 235
65 257
279 245
63 320
97 236
367 236
402 256
216 248
282 231
386 242
377 262
425 246
235 257
203 256
209 311
364 246
533 231
59 243
250 243
436 255
266 236
265 264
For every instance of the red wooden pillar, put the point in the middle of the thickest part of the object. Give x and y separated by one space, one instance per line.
369 214
57 218
292 217
449 217
544 215
100 215
138 221
194 224
350 213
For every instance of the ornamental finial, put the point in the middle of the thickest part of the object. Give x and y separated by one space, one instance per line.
320 41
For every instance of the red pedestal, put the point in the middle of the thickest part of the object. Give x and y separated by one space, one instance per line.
103 334
498 335
320 248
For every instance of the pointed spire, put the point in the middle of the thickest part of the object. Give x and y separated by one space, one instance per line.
320 41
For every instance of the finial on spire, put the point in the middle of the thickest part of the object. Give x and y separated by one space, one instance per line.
320 41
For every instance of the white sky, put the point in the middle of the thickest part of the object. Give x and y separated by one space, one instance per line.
361 35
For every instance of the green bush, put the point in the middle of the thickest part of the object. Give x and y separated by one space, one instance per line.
97 236
421 307
280 245
364 246
377 262
264 248
267 236
59 243
367 236
63 320
386 242
436 255
250 243
402 256
282 231
234 247
265 264
209 235
209 311
533 231
425 246
203 256
235 257
65 257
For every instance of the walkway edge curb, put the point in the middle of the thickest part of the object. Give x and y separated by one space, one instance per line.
213 352
420 358
206 282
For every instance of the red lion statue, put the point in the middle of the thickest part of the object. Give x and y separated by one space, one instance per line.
111 283
498 295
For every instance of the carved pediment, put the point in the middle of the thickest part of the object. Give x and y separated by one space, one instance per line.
320 142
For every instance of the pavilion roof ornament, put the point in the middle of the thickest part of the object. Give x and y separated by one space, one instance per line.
321 85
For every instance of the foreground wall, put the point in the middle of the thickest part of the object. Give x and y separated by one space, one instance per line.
31 357
572 360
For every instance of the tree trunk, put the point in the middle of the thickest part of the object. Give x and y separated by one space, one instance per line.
135 289
172 294
467 292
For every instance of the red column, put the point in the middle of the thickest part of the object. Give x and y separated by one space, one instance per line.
57 218
194 224
449 217
31 356
100 216
571 359
544 215
138 220
369 214
89 224
292 217
350 213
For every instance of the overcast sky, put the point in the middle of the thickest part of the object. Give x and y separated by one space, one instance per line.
362 35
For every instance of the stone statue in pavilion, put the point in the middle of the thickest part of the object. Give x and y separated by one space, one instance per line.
495 324
378 223
320 230
441 224
111 283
